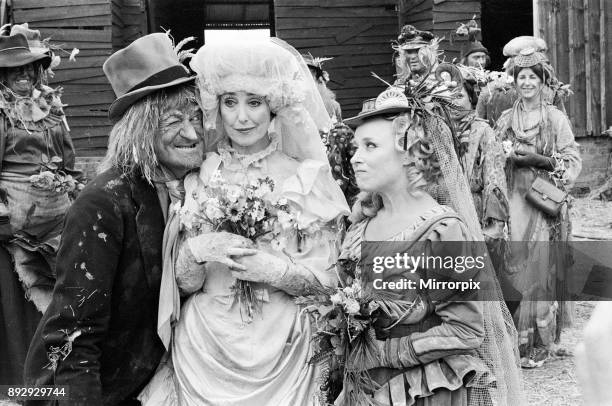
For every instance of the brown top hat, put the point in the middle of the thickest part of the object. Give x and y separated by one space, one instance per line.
146 65
14 52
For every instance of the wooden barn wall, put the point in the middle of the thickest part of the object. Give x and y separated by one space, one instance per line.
442 17
447 16
579 37
88 26
356 33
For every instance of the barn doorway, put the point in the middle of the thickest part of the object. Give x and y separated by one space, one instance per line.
503 20
211 18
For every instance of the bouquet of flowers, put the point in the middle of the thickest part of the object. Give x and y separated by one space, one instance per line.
239 209
345 337
51 177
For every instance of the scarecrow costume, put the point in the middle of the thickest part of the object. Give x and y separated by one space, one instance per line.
36 178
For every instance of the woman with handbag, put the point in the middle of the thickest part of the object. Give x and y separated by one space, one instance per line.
543 163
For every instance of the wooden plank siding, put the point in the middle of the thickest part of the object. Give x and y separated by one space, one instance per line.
442 18
356 33
90 26
580 50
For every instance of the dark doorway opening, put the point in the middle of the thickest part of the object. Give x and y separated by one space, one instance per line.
503 20
187 18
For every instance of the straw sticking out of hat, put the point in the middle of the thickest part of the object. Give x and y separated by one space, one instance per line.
15 52
148 64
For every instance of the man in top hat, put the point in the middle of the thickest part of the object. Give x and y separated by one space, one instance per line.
99 335
418 53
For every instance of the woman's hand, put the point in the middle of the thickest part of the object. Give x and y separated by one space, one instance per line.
531 159
220 247
260 267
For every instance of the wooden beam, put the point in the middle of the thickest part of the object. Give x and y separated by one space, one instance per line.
25 4
77 35
572 53
60 13
587 60
602 65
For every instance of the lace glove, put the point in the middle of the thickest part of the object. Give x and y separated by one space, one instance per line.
219 247
266 268
524 158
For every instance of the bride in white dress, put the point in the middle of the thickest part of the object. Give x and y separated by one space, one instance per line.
262 104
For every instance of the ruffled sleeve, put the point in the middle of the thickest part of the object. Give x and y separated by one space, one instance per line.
320 206
313 190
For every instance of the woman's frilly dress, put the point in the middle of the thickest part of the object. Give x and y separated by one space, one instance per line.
218 357
443 334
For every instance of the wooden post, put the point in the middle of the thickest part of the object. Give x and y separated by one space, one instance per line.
602 64
587 60
536 19
572 53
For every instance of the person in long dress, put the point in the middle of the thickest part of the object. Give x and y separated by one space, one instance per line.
226 348
445 348
542 145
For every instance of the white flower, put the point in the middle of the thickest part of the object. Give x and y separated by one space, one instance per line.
352 306
213 210
337 298
233 193
282 201
286 220
507 147
216 177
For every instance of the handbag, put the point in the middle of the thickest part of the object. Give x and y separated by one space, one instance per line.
545 196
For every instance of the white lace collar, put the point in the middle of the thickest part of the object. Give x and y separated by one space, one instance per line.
231 157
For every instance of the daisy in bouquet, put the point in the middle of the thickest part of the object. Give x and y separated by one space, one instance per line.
239 208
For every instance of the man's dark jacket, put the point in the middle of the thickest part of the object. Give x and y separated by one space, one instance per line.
99 335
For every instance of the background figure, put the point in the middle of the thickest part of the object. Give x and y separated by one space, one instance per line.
474 54
99 335
500 94
37 178
540 144
418 54
338 139
321 77
483 161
